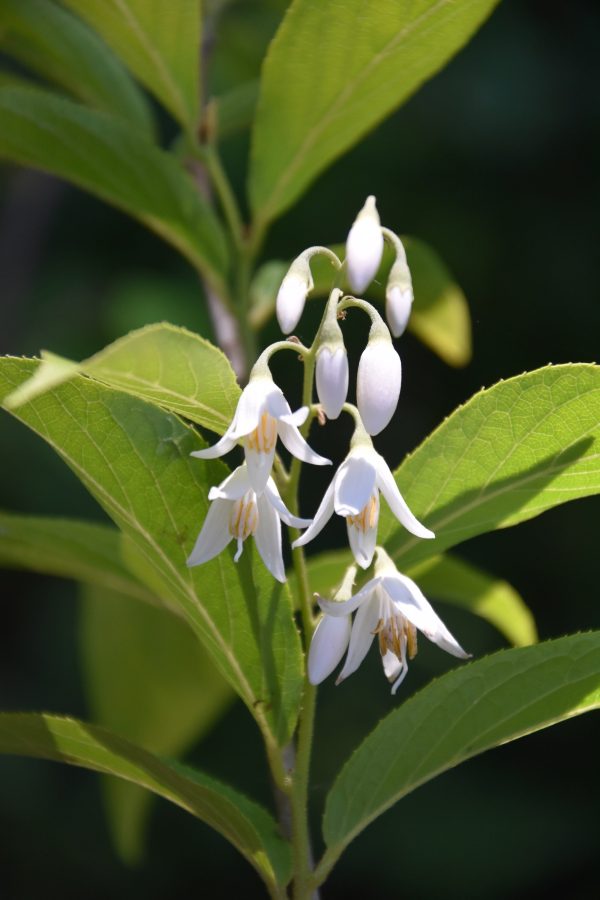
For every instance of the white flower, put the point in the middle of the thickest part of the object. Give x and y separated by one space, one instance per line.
236 512
364 247
354 494
390 606
332 379
263 413
398 306
291 296
378 384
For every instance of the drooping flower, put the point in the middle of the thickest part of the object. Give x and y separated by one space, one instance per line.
398 307
364 247
261 415
238 511
390 606
354 494
378 383
331 636
332 378
292 293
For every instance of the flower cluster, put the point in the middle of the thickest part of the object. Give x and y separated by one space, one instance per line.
248 502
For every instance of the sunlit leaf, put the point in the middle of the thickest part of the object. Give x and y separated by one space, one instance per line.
478 706
247 825
333 71
59 47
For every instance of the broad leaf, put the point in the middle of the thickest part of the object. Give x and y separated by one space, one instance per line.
58 46
440 314
70 548
246 824
521 447
160 42
476 707
332 72
116 163
135 459
149 680
163 364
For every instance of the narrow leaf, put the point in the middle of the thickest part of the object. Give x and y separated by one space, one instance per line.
149 680
135 459
58 46
116 163
247 825
160 42
486 703
334 71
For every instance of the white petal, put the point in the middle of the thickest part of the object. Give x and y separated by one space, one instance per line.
223 446
322 516
250 406
364 247
291 298
396 502
410 601
354 483
259 467
234 486
328 645
345 607
362 543
378 384
272 495
332 380
297 446
363 628
398 306
214 535
297 418
392 666
268 538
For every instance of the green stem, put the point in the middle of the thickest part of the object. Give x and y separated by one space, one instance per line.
211 159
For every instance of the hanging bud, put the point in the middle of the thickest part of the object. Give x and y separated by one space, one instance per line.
364 247
332 378
378 383
292 294
399 291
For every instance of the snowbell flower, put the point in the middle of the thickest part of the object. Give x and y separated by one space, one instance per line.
332 361
354 494
364 247
331 636
378 381
261 415
399 290
390 606
292 294
238 511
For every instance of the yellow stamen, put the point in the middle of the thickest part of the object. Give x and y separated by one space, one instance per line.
263 438
367 517
243 520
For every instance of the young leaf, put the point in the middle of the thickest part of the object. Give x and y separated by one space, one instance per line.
148 679
247 825
160 42
69 548
514 450
479 706
58 46
333 71
135 459
116 163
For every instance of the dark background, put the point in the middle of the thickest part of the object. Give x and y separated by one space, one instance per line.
495 164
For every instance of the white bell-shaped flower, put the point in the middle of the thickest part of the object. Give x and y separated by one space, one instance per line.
378 383
261 415
354 494
332 378
392 607
236 512
331 636
292 294
398 307
364 247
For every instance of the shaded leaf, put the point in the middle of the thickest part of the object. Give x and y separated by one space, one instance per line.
247 825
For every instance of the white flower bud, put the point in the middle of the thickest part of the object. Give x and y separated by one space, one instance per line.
332 378
378 384
291 296
364 247
398 306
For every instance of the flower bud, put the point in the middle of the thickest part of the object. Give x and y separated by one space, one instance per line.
378 384
364 247
332 378
291 296
399 296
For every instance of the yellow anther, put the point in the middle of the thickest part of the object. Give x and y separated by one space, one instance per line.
263 438
411 639
243 520
367 517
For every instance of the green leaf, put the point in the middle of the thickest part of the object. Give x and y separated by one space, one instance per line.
452 580
135 459
149 680
58 46
440 315
334 71
235 109
478 706
163 364
521 447
160 42
69 548
116 163
246 824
